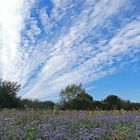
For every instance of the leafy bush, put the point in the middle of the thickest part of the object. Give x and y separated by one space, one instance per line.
8 94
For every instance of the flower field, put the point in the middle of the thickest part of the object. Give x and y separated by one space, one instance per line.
69 125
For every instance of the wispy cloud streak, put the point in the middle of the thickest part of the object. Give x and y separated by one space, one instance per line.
68 44
12 15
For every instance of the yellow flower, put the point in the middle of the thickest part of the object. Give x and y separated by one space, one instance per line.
90 112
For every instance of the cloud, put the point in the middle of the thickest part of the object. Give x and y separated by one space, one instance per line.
12 15
69 44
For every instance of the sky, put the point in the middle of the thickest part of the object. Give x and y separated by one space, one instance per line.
46 45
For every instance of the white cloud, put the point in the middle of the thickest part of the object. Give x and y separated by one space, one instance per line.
12 15
43 67
68 45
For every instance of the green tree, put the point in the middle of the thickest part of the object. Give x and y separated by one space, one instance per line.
8 94
71 92
85 96
97 105
78 104
75 97
112 102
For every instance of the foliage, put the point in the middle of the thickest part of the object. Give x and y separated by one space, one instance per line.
36 104
73 97
113 102
78 104
9 99
74 125
85 96
70 92
8 94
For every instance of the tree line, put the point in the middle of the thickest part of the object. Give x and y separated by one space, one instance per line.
73 97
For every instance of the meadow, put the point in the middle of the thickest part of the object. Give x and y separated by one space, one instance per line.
69 125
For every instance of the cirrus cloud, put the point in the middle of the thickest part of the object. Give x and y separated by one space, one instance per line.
52 44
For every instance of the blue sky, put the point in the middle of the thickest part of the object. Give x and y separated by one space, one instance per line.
47 44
